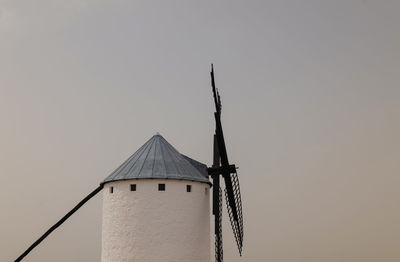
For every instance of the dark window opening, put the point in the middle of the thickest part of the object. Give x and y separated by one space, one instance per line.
111 190
188 188
133 187
161 187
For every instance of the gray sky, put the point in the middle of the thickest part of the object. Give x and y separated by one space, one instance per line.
310 93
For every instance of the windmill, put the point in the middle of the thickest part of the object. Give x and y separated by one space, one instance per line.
141 223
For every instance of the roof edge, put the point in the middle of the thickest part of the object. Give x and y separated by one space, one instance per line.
153 178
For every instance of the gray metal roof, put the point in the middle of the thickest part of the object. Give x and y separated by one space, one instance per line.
159 159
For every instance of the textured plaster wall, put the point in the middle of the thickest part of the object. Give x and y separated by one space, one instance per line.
148 225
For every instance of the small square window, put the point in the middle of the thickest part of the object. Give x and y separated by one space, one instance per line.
161 187
111 190
188 188
133 187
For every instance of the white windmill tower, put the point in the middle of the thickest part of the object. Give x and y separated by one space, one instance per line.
156 204
156 207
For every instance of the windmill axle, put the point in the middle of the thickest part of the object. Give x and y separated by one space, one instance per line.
221 170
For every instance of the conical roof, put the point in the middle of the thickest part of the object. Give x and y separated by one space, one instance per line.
159 159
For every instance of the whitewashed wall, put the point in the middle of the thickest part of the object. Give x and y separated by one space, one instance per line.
148 225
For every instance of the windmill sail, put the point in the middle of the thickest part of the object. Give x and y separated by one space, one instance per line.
217 206
237 224
228 172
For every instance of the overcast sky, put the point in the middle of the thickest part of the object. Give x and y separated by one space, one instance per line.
310 95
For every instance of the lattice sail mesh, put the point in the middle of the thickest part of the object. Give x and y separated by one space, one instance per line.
237 226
